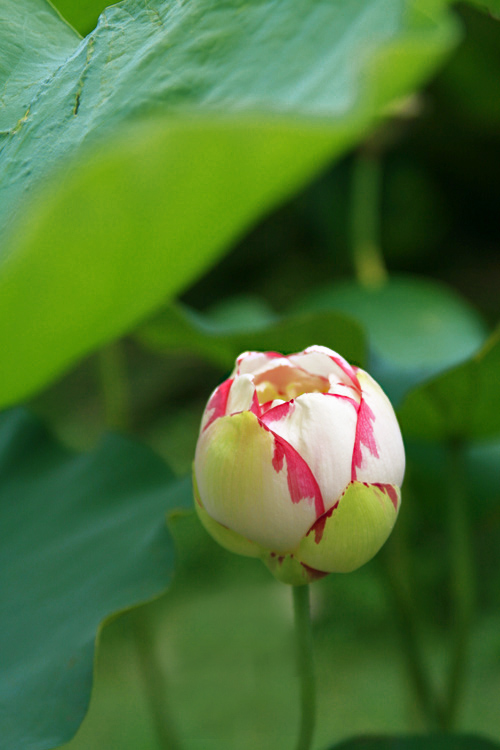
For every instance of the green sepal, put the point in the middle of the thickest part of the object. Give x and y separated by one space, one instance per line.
355 530
287 569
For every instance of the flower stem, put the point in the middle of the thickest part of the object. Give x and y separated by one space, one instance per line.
462 582
365 219
304 650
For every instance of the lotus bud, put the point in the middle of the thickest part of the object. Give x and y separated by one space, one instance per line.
299 462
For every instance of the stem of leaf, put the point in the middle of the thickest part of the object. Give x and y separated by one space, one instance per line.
114 386
397 569
304 650
116 399
371 273
462 582
368 260
154 685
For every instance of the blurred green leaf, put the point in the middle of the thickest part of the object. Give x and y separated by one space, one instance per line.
427 464
243 311
467 85
487 6
483 472
463 403
82 536
254 105
416 327
179 328
422 742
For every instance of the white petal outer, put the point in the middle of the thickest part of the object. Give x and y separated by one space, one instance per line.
241 394
317 360
225 537
243 487
388 466
323 361
249 363
321 428
354 532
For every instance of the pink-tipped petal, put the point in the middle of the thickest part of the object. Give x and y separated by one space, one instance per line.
323 361
378 455
249 362
344 391
301 481
217 403
321 428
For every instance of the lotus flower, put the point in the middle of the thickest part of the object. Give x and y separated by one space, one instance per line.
299 462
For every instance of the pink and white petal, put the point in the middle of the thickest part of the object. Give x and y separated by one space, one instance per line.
378 455
250 362
321 428
242 396
323 361
216 406
271 404
346 391
252 482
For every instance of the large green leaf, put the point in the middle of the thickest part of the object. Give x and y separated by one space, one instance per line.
151 212
178 328
421 742
463 403
82 536
416 327
250 100
34 43
142 57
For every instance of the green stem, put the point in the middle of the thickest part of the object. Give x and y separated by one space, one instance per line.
304 650
462 582
154 685
368 261
396 566
114 386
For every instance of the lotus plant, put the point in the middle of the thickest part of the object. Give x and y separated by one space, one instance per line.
299 462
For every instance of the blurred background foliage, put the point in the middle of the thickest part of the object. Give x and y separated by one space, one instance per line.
223 631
